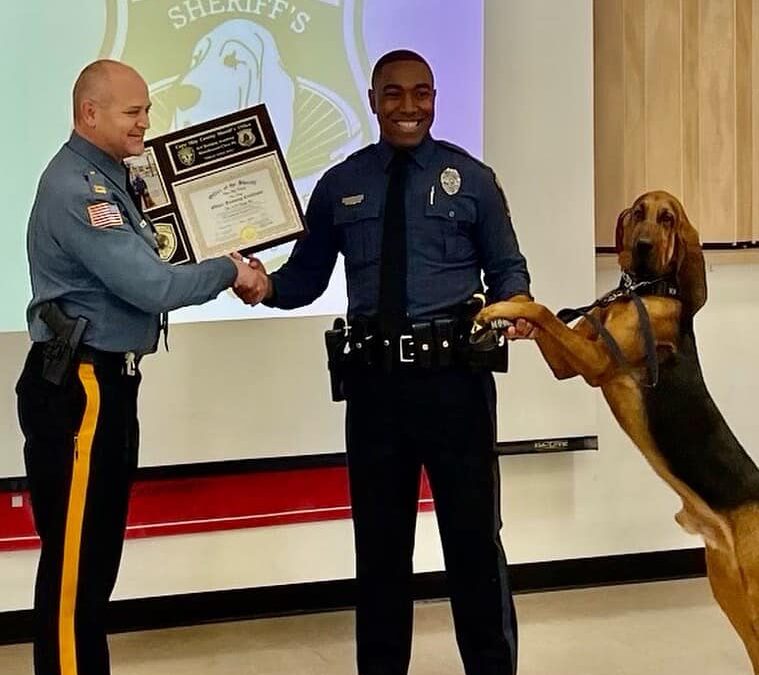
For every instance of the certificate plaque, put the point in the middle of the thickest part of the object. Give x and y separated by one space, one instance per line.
217 187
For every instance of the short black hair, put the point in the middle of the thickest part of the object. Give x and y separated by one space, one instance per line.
395 56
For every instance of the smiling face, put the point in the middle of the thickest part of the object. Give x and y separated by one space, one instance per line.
403 99
113 111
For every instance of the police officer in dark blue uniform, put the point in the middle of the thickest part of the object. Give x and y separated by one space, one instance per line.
418 221
99 288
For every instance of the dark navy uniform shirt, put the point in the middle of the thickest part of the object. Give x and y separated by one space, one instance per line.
108 272
452 239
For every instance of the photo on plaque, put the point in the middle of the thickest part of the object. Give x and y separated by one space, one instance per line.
218 187
146 180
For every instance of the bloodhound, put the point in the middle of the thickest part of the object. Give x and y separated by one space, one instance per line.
667 413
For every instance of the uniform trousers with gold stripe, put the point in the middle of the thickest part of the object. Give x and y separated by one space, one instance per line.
81 456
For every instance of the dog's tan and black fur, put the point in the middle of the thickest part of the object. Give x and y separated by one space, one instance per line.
675 424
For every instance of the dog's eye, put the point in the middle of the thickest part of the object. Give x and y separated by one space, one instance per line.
638 213
666 217
231 60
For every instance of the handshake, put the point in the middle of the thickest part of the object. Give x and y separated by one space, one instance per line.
252 284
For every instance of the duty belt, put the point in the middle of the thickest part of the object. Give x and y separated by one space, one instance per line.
125 362
426 344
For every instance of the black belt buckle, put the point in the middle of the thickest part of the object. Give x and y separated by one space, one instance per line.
423 345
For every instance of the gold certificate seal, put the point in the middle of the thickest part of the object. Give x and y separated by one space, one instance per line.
248 233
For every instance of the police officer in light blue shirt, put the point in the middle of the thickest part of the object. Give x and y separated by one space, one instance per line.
420 224
96 274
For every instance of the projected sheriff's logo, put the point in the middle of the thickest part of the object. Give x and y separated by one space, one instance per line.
203 58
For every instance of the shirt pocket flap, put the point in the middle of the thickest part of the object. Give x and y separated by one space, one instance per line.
356 211
455 209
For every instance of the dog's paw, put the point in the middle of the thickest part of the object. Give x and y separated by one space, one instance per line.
499 312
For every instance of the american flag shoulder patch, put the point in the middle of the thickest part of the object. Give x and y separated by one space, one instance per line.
104 214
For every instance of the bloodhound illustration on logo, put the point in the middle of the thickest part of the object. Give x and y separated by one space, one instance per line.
206 58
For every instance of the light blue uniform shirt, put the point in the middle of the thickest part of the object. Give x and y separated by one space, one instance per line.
111 275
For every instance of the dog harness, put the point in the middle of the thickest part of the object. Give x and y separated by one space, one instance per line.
633 290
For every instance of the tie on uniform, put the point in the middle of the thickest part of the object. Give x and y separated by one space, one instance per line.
393 266
164 318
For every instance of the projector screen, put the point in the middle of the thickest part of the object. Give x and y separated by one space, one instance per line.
308 60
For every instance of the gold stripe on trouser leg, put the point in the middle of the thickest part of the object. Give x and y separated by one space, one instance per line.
75 519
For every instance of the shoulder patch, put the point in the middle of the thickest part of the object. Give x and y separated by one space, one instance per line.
96 182
104 214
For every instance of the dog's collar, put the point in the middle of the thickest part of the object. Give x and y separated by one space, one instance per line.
665 286
628 286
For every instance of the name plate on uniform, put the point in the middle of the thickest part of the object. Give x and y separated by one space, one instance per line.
218 187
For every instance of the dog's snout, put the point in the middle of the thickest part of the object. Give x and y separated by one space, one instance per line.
644 245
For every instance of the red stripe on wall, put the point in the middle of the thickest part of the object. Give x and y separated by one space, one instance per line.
202 504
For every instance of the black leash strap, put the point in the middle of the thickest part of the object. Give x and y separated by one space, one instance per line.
652 363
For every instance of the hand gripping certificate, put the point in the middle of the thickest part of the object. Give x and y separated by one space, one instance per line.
217 187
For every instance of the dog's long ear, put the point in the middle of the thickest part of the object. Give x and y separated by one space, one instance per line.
691 269
623 257
619 232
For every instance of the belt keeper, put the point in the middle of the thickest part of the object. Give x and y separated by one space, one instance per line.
423 345
388 358
444 331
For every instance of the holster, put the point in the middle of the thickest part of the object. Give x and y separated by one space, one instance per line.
60 351
336 341
494 358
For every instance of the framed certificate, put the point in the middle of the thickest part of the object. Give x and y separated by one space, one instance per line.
217 187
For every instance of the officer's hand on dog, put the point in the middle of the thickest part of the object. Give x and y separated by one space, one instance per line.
252 284
521 329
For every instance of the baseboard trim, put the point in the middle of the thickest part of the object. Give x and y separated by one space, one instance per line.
256 603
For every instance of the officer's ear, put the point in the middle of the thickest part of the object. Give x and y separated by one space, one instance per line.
87 112
372 103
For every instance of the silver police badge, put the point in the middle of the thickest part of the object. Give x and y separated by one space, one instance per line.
450 179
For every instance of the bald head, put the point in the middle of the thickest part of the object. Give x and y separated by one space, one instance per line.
95 83
111 105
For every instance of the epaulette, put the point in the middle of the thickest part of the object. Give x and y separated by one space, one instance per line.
461 151
359 152
97 183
